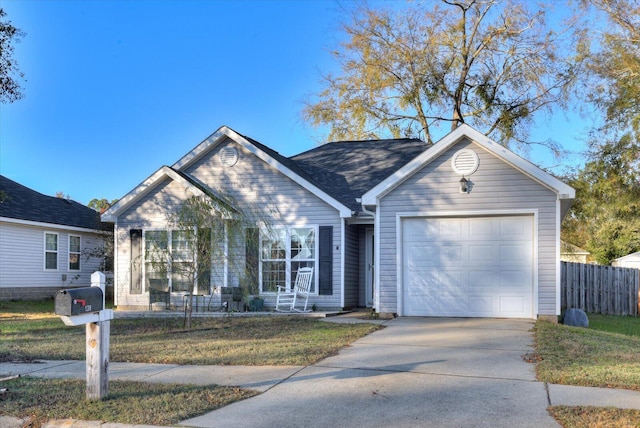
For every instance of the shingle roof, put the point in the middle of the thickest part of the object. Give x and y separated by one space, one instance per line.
20 202
348 169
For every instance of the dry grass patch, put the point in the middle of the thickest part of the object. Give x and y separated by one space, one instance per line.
39 400
595 417
272 340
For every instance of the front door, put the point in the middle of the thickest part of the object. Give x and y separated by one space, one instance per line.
370 268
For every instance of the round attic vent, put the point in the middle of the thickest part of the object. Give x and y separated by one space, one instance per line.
465 162
228 156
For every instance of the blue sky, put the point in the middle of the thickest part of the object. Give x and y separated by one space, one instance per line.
116 89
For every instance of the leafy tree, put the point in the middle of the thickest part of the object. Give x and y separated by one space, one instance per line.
408 71
616 65
206 230
10 89
605 217
101 205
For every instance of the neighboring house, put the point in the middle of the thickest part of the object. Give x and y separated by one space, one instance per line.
45 243
385 224
573 253
629 261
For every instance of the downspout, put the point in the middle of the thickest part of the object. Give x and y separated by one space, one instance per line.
364 209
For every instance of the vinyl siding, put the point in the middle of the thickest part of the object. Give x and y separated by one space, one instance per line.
253 185
22 257
496 187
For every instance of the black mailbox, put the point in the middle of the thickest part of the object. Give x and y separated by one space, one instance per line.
78 301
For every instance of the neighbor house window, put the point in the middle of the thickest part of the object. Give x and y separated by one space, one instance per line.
74 252
283 252
50 251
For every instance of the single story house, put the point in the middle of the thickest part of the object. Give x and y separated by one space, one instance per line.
461 228
629 261
46 243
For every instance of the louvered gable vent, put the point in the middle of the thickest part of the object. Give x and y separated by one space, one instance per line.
465 162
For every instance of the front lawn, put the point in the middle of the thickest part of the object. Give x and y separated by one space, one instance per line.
270 340
35 333
37 400
604 355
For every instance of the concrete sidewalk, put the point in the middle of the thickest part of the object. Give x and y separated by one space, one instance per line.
417 371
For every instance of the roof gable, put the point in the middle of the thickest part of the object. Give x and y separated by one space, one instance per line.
148 185
22 203
565 193
176 172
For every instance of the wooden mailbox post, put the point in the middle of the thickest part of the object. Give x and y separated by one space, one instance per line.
80 306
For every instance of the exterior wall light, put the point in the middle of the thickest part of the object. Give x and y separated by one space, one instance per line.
464 185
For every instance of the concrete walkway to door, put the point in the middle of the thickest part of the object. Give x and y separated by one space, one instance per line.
416 372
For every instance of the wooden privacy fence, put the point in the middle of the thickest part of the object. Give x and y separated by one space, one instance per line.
600 289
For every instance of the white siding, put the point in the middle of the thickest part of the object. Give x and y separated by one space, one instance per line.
22 257
496 187
251 183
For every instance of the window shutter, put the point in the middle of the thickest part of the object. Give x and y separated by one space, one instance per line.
252 253
325 260
203 260
135 286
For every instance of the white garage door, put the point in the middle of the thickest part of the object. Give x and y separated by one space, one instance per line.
468 267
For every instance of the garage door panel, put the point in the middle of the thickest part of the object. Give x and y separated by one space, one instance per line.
513 305
451 229
516 253
481 267
483 279
514 280
515 228
421 230
482 228
481 253
451 255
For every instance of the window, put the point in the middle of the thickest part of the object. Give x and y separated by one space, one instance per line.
155 256
51 251
74 252
181 260
283 252
169 258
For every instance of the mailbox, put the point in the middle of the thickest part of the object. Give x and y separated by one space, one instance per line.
78 301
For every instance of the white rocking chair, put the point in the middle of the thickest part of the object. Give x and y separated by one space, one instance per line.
287 299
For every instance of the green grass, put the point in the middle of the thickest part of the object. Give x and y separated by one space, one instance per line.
604 355
629 326
589 357
38 400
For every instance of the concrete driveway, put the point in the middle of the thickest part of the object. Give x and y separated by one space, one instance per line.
416 372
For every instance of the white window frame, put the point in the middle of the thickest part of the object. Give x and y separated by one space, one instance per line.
288 260
56 251
78 253
170 261
145 288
